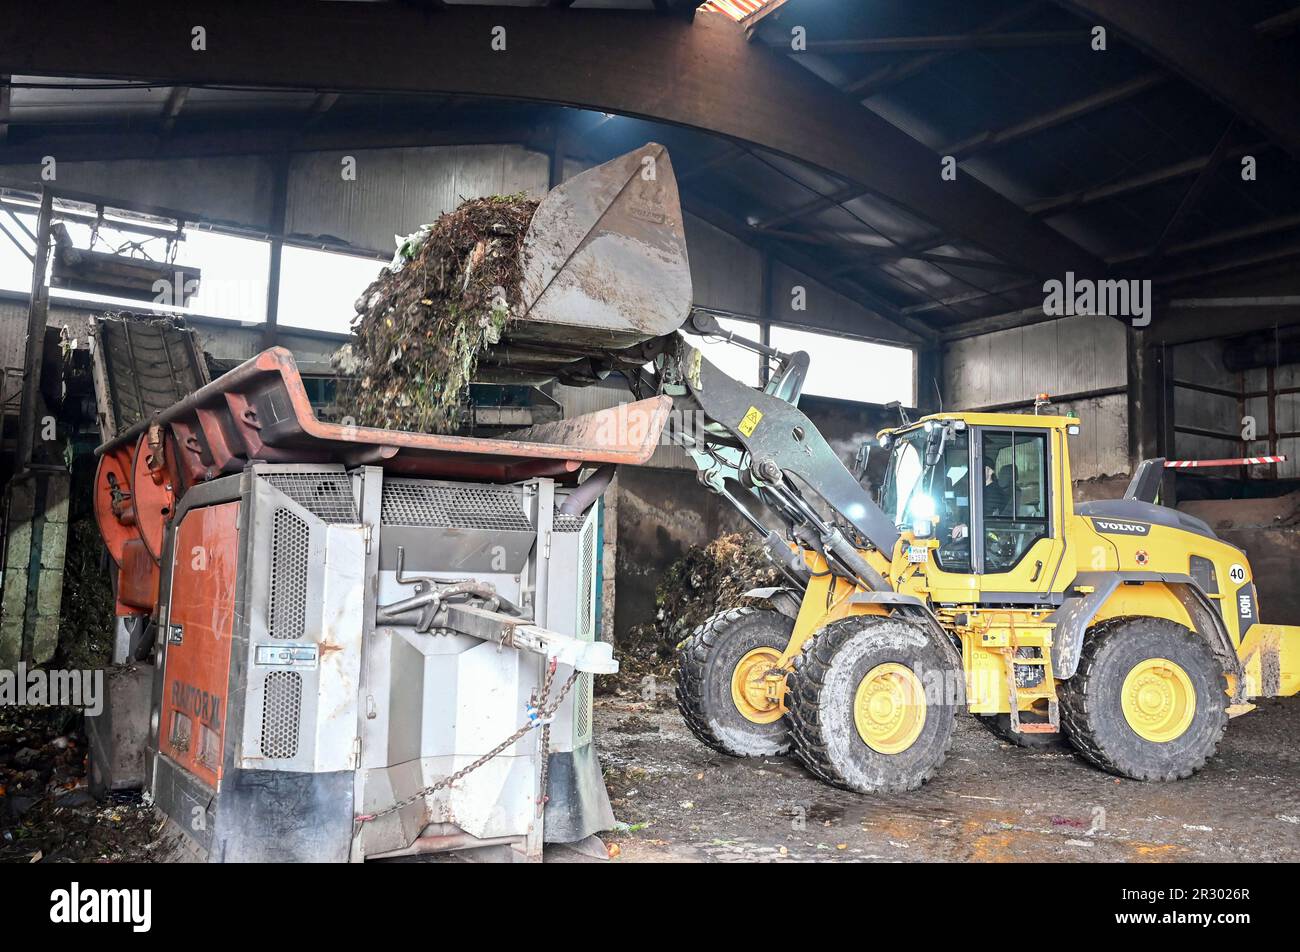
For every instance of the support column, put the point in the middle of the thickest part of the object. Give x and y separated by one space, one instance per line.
929 379
38 306
1150 404
279 216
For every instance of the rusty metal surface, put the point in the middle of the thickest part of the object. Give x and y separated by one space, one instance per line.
605 261
260 411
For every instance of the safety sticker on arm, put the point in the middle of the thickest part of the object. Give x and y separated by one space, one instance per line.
750 423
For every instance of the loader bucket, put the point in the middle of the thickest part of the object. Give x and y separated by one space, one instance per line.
604 266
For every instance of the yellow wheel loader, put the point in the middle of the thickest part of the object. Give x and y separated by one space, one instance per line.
973 580
1125 627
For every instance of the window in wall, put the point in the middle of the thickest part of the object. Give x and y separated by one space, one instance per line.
232 283
319 288
15 268
852 369
235 275
731 359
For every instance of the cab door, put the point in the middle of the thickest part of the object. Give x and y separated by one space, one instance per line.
1017 538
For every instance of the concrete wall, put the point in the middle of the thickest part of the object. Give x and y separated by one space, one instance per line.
395 191
1073 355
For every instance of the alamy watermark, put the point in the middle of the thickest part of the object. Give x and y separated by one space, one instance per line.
56 688
1112 297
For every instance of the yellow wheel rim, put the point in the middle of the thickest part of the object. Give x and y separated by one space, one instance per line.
749 686
889 708
1158 700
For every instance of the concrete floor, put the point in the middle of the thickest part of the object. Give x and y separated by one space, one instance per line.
989 802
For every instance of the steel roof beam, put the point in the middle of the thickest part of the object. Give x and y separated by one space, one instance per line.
810 207
1211 46
1069 200
719 82
1055 117
895 73
887 253
951 42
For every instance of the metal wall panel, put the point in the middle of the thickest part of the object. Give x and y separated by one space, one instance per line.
1070 355
1101 448
726 272
398 190
229 189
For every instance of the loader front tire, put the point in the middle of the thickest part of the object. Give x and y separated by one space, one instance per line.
862 714
720 689
1148 700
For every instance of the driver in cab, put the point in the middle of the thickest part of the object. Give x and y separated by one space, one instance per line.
997 496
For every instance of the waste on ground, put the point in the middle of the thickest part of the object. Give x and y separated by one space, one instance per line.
704 581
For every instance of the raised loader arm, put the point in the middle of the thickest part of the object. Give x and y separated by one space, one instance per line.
762 442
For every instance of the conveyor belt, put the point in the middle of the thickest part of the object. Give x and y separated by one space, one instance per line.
142 366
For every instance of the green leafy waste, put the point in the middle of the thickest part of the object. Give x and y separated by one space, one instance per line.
422 325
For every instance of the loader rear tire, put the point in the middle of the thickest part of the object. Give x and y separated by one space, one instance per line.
860 712
712 663
1148 700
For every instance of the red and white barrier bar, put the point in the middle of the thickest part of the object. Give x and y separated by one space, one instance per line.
1239 461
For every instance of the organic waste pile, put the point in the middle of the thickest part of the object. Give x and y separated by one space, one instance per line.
704 581
47 813
422 325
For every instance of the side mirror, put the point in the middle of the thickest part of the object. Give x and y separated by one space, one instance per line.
861 459
934 445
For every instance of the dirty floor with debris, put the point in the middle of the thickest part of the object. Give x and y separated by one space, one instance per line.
47 813
677 800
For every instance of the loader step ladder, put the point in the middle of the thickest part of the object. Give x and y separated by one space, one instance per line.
1044 690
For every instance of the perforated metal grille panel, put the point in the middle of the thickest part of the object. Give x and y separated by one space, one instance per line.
581 710
587 584
280 711
328 496
287 612
586 630
565 523
414 502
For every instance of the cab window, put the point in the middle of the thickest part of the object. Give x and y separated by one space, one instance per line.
1014 502
951 489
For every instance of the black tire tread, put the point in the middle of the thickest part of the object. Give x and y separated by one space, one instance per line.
1076 715
692 656
805 684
